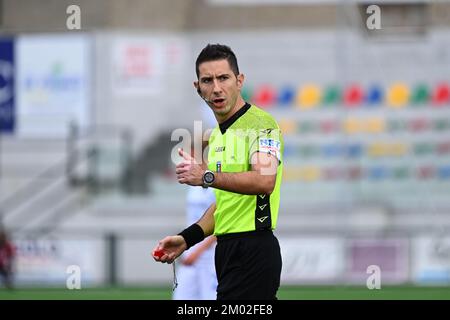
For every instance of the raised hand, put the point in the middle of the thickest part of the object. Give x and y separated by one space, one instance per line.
189 172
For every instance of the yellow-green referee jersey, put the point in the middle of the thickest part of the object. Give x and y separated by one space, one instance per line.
231 146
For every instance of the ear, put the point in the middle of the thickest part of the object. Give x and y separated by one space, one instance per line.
196 85
240 80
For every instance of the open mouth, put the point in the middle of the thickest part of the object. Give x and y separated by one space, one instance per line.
219 102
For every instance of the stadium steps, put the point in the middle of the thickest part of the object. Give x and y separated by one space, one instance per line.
34 190
27 166
24 160
34 211
158 212
151 161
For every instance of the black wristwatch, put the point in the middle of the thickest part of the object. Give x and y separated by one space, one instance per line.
208 178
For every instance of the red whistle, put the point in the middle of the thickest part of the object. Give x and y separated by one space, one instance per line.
158 253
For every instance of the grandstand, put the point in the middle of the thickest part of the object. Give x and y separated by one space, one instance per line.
87 132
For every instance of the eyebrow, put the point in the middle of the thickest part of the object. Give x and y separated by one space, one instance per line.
210 77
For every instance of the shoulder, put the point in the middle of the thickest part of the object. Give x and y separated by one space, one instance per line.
260 119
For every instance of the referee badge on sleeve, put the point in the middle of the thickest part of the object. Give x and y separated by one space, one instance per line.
270 146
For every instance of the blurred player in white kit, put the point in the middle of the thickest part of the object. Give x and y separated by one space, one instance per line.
196 273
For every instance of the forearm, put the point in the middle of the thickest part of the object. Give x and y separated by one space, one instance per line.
206 222
250 182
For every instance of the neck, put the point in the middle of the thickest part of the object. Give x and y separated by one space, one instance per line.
239 104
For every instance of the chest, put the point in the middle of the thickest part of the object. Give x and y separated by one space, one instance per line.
229 153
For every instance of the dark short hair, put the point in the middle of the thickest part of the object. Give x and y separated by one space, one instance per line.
213 52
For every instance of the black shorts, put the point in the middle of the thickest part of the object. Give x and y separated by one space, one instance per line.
248 266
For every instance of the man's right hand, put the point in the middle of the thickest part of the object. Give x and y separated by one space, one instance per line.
172 247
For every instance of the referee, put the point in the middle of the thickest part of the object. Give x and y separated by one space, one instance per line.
244 168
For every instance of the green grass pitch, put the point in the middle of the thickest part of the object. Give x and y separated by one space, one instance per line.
285 293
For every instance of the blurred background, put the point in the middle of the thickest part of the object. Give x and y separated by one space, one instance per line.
87 116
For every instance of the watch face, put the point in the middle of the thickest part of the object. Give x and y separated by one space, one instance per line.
209 177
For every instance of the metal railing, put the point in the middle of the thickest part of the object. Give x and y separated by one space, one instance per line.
80 169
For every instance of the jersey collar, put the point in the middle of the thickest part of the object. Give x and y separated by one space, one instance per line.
226 124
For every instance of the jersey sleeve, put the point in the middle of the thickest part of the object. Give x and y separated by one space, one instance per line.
266 141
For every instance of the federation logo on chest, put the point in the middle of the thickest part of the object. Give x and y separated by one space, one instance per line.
218 166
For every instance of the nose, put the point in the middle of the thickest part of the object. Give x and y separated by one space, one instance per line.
217 89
